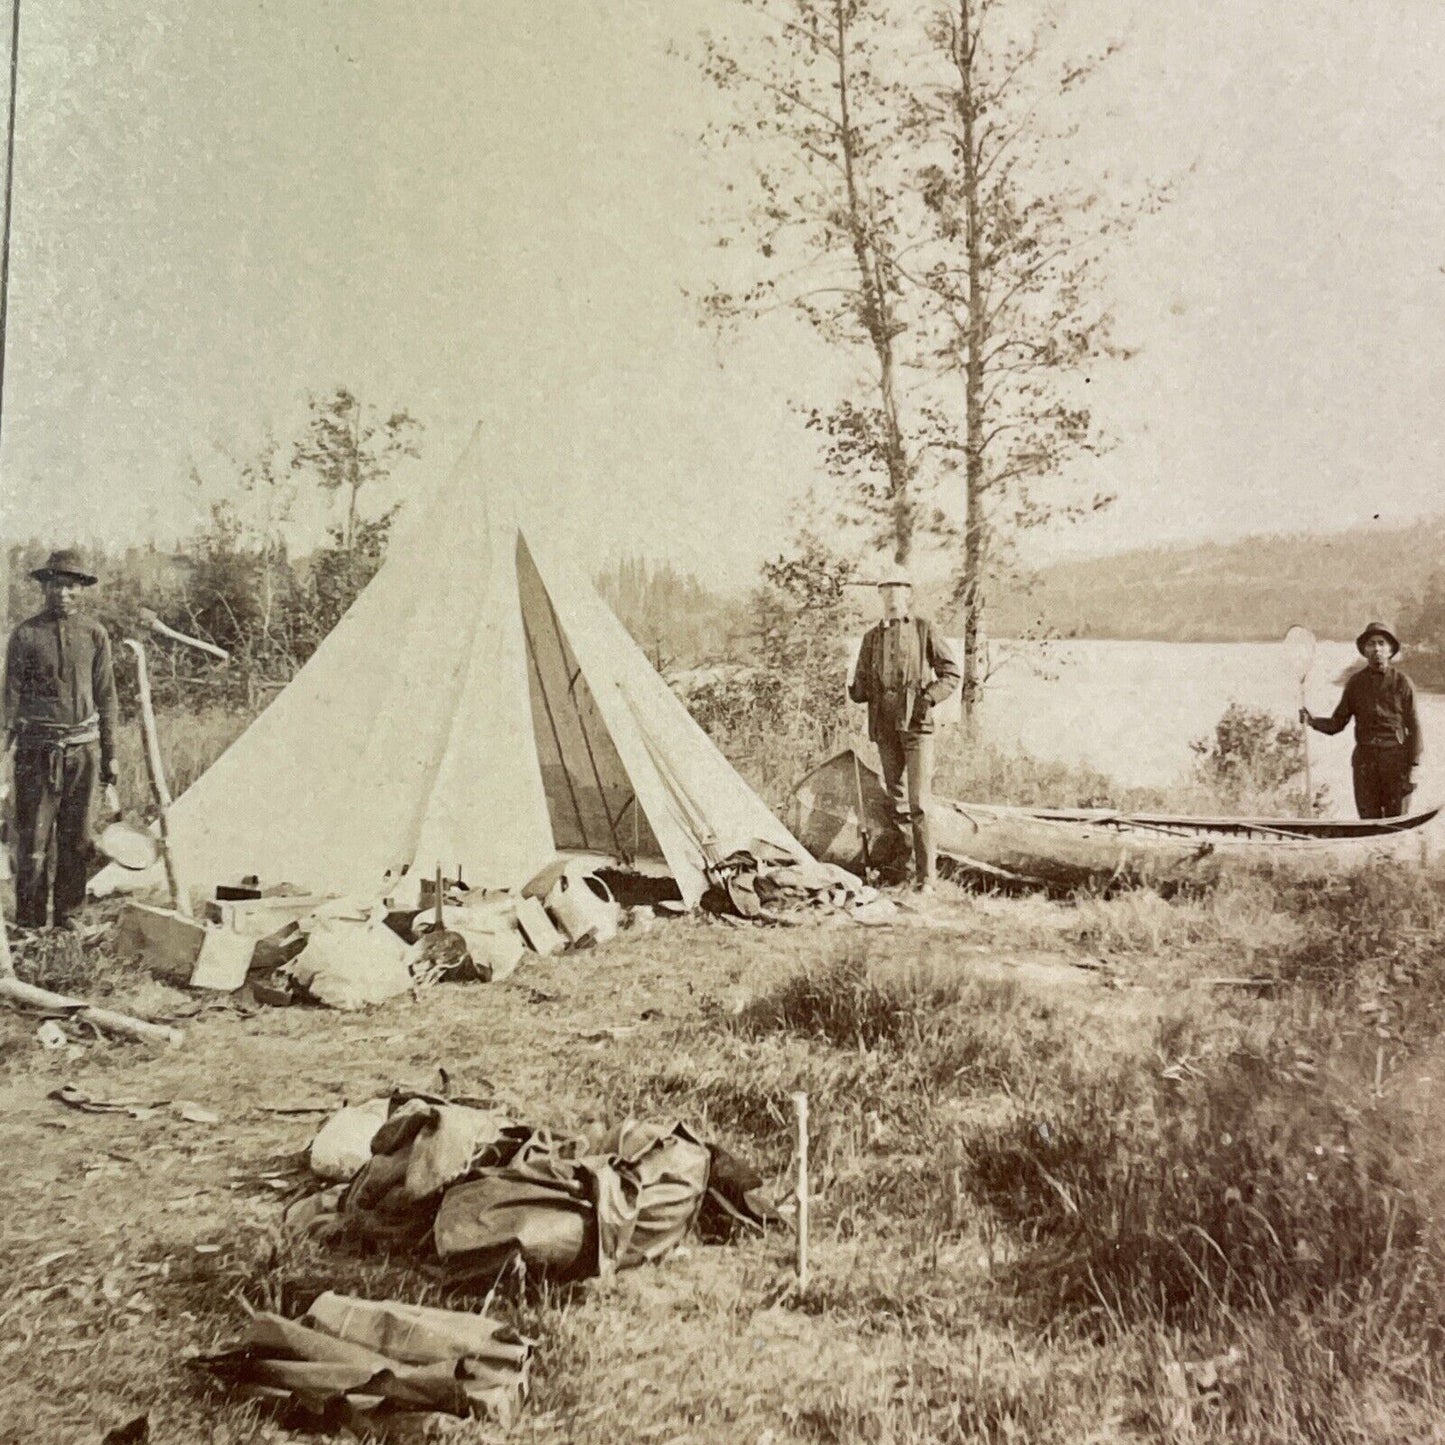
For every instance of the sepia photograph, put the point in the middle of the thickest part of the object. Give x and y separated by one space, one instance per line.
722 722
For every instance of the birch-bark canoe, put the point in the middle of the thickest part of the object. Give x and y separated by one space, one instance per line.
841 806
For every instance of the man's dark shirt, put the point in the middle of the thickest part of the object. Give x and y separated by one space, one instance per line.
1383 707
58 671
904 668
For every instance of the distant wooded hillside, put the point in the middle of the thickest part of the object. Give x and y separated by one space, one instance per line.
1248 590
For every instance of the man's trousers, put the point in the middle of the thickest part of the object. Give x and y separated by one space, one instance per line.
54 791
1382 782
907 761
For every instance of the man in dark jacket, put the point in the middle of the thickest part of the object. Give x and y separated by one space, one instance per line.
60 714
904 671
1387 728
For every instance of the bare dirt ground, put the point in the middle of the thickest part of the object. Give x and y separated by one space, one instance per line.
128 1242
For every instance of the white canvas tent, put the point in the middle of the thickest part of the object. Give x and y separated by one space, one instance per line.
478 706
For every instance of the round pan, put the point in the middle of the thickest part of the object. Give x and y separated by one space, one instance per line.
127 846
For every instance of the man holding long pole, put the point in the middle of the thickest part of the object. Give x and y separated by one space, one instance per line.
1381 701
60 715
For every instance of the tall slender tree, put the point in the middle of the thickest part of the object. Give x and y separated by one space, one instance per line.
1016 274
915 201
821 124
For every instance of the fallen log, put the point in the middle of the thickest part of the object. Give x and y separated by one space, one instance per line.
28 996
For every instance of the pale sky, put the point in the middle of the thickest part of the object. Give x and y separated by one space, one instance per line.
490 209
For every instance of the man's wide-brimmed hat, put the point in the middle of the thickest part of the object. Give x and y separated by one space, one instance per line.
1378 629
894 575
65 563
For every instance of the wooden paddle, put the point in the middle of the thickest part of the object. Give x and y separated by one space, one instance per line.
1301 644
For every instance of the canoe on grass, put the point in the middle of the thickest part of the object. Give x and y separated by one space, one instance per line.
841 805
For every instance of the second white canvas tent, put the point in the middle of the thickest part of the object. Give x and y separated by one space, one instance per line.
478 706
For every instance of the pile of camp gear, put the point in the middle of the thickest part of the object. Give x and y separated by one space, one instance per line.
287 945
468 1192
767 884
346 1362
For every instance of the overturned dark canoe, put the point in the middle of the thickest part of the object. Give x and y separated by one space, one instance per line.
840 807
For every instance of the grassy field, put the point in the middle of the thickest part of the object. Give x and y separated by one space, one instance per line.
1069 1186
191 740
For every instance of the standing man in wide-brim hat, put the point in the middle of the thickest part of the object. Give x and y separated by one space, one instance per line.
1381 700
60 716
904 671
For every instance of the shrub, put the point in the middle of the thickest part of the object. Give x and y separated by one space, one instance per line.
1251 761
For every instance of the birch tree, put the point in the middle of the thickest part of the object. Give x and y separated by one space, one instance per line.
917 198
821 123
346 451
1017 274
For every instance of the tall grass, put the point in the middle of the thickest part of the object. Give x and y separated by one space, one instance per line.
1377 926
191 739
1247 1185
1237 920
921 1018
1226 1175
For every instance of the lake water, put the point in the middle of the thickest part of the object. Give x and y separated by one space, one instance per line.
1131 709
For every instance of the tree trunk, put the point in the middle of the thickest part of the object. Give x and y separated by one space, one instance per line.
975 543
899 470
877 314
355 480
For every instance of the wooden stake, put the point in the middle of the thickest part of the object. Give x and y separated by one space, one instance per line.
800 1111
13 990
